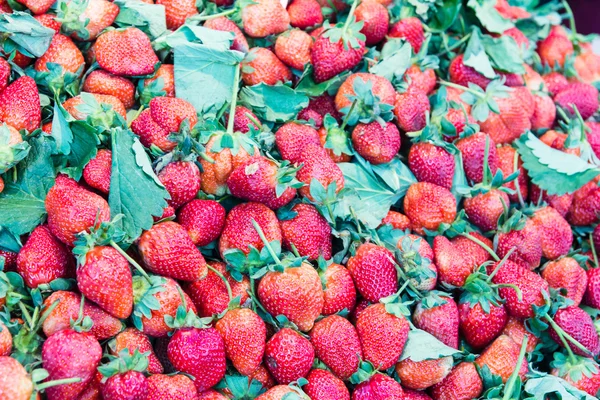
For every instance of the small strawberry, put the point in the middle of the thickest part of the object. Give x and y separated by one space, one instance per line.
374 272
125 52
124 377
97 171
431 163
473 150
177 11
62 51
323 385
175 387
307 231
411 109
376 21
337 344
410 29
501 358
581 95
72 209
566 273
261 65
317 165
305 14
439 317
102 82
264 17
555 233
378 387
182 181
288 356
90 105
20 105
462 383
579 325
293 48
339 292
555 48
420 375
396 220
376 143
428 206
15 382
240 43
132 339
203 220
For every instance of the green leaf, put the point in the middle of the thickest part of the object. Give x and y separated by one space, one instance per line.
83 148
476 57
275 103
552 170
188 34
394 65
421 345
61 131
445 16
541 386
22 202
135 191
489 17
309 87
8 241
504 53
150 18
25 34
204 76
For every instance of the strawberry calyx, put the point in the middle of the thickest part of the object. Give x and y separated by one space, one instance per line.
124 362
366 107
68 13
12 288
348 32
511 220
479 290
434 298
187 148
38 376
186 319
395 304
144 300
364 372
102 116
241 387
59 82
337 138
575 367
11 153
482 101
82 323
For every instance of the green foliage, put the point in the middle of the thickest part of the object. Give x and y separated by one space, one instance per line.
421 345
150 18
25 34
274 103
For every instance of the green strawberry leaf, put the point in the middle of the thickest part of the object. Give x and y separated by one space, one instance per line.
504 53
476 57
61 131
24 34
395 60
22 201
9 241
444 16
192 34
309 87
421 345
274 103
540 386
135 191
552 170
10 154
204 76
83 148
488 16
150 18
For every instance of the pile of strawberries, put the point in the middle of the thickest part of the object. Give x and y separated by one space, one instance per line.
304 199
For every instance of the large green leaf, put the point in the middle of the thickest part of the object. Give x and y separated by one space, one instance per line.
83 148
275 103
421 345
61 131
25 34
148 17
393 66
475 56
541 386
489 17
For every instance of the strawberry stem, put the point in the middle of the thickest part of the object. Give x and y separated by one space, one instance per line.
483 245
253 119
131 260
571 18
463 88
407 281
500 263
455 45
560 331
212 16
350 16
347 117
225 281
510 384
234 95
572 357
266 242
57 382
592 245
26 315
515 287
46 313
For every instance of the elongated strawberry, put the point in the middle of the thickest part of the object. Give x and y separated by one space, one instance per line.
555 232
262 66
378 387
566 273
339 292
423 374
375 18
501 358
292 138
176 387
62 51
317 165
240 42
203 219
308 232
293 48
20 105
411 109
305 13
15 382
288 356
579 325
337 344
431 163
376 143
125 52
97 172
133 339
373 271
555 48
428 206
323 385
462 383
410 29
439 318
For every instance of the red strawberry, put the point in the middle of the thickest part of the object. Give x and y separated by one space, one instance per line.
168 250
526 243
62 51
244 334
472 149
557 140
325 104
410 109
396 220
72 209
382 335
473 254
462 383
278 392
432 164
305 13
415 395
331 58
337 344
506 164
323 385
378 387
579 325
555 232
374 272
128 385
510 12
544 113
4 74
292 138
478 326
410 29
37 6
453 267
101 82
175 387
293 48
177 11
203 219
239 232
72 105
70 354
99 14
501 358
515 329
10 260
581 95
163 81
318 165
420 80
262 375
211 395
164 116
566 273
586 205
240 42
132 339
555 49
20 105
295 293
375 143
15 382
125 52
511 122
261 65
376 21
428 206
380 87
182 181
420 375
463 74
244 119
6 340
43 258
264 18
417 261
484 209
308 232
339 292
555 82
97 172
582 373
592 293
288 356
441 320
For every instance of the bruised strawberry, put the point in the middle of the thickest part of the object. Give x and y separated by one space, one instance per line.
373 271
410 29
555 48
97 171
177 11
462 383
411 109
288 356
337 344
441 320
579 325
428 206
308 232
125 52
293 48
555 233
132 339
102 82
203 219
292 138
379 386
182 181
501 358
305 13
64 52
264 17
323 385
581 95
376 143
317 165
261 65
566 273
376 20
240 43
20 105
420 375
473 149
176 387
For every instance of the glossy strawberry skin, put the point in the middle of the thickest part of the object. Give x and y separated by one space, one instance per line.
305 13
97 172
15 382
308 232
397 220
577 323
410 29
555 232
288 356
478 327
20 104
484 209
586 205
203 219
129 385
567 274
462 383
178 387
182 181
472 149
441 321
293 48
264 18
428 206
423 374
373 271
452 265
318 165
132 339
339 292
501 358
125 52
410 109
582 95
378 387
526 244
262 66
431 164
64 52
330 59
323 385
375 143
6 340
376 21
292 138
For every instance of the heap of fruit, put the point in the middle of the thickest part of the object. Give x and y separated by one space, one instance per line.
313 199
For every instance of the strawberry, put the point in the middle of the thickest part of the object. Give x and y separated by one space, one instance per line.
239 233
265 181
338 5
544 113
337 344
587 66
72 209
582 373
592 293
515 329
244 120
463 74
288 356
293 48
519 37
462 383
501 358
102 82
420 375
512 120
279 392
15 382
261 65
62 51
164 116
177 11
376 21
317 165
529 283
167 249
586 205
473 253
161 83
292 138
6 340
240 43
175 387
323 385
396 220
506 164
305 14
325 104
557 140
473 152
125 52
510 12
440 320
376 143
4 74
70 354
422 80
74 106
382 335
378 387
452 265
410 109
210 294
579 325
581 95
262 375
525 243
264 17
20 105
410 29
428 206
132 339
211 395
97 171
182 181
203 220
199 352
244 334
308 232
415 395
555 82
555 48
555 233
339 292
37 6
566 273
295 293
43 258
67 309
416 258
374 272
85 21
129 385
484 209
